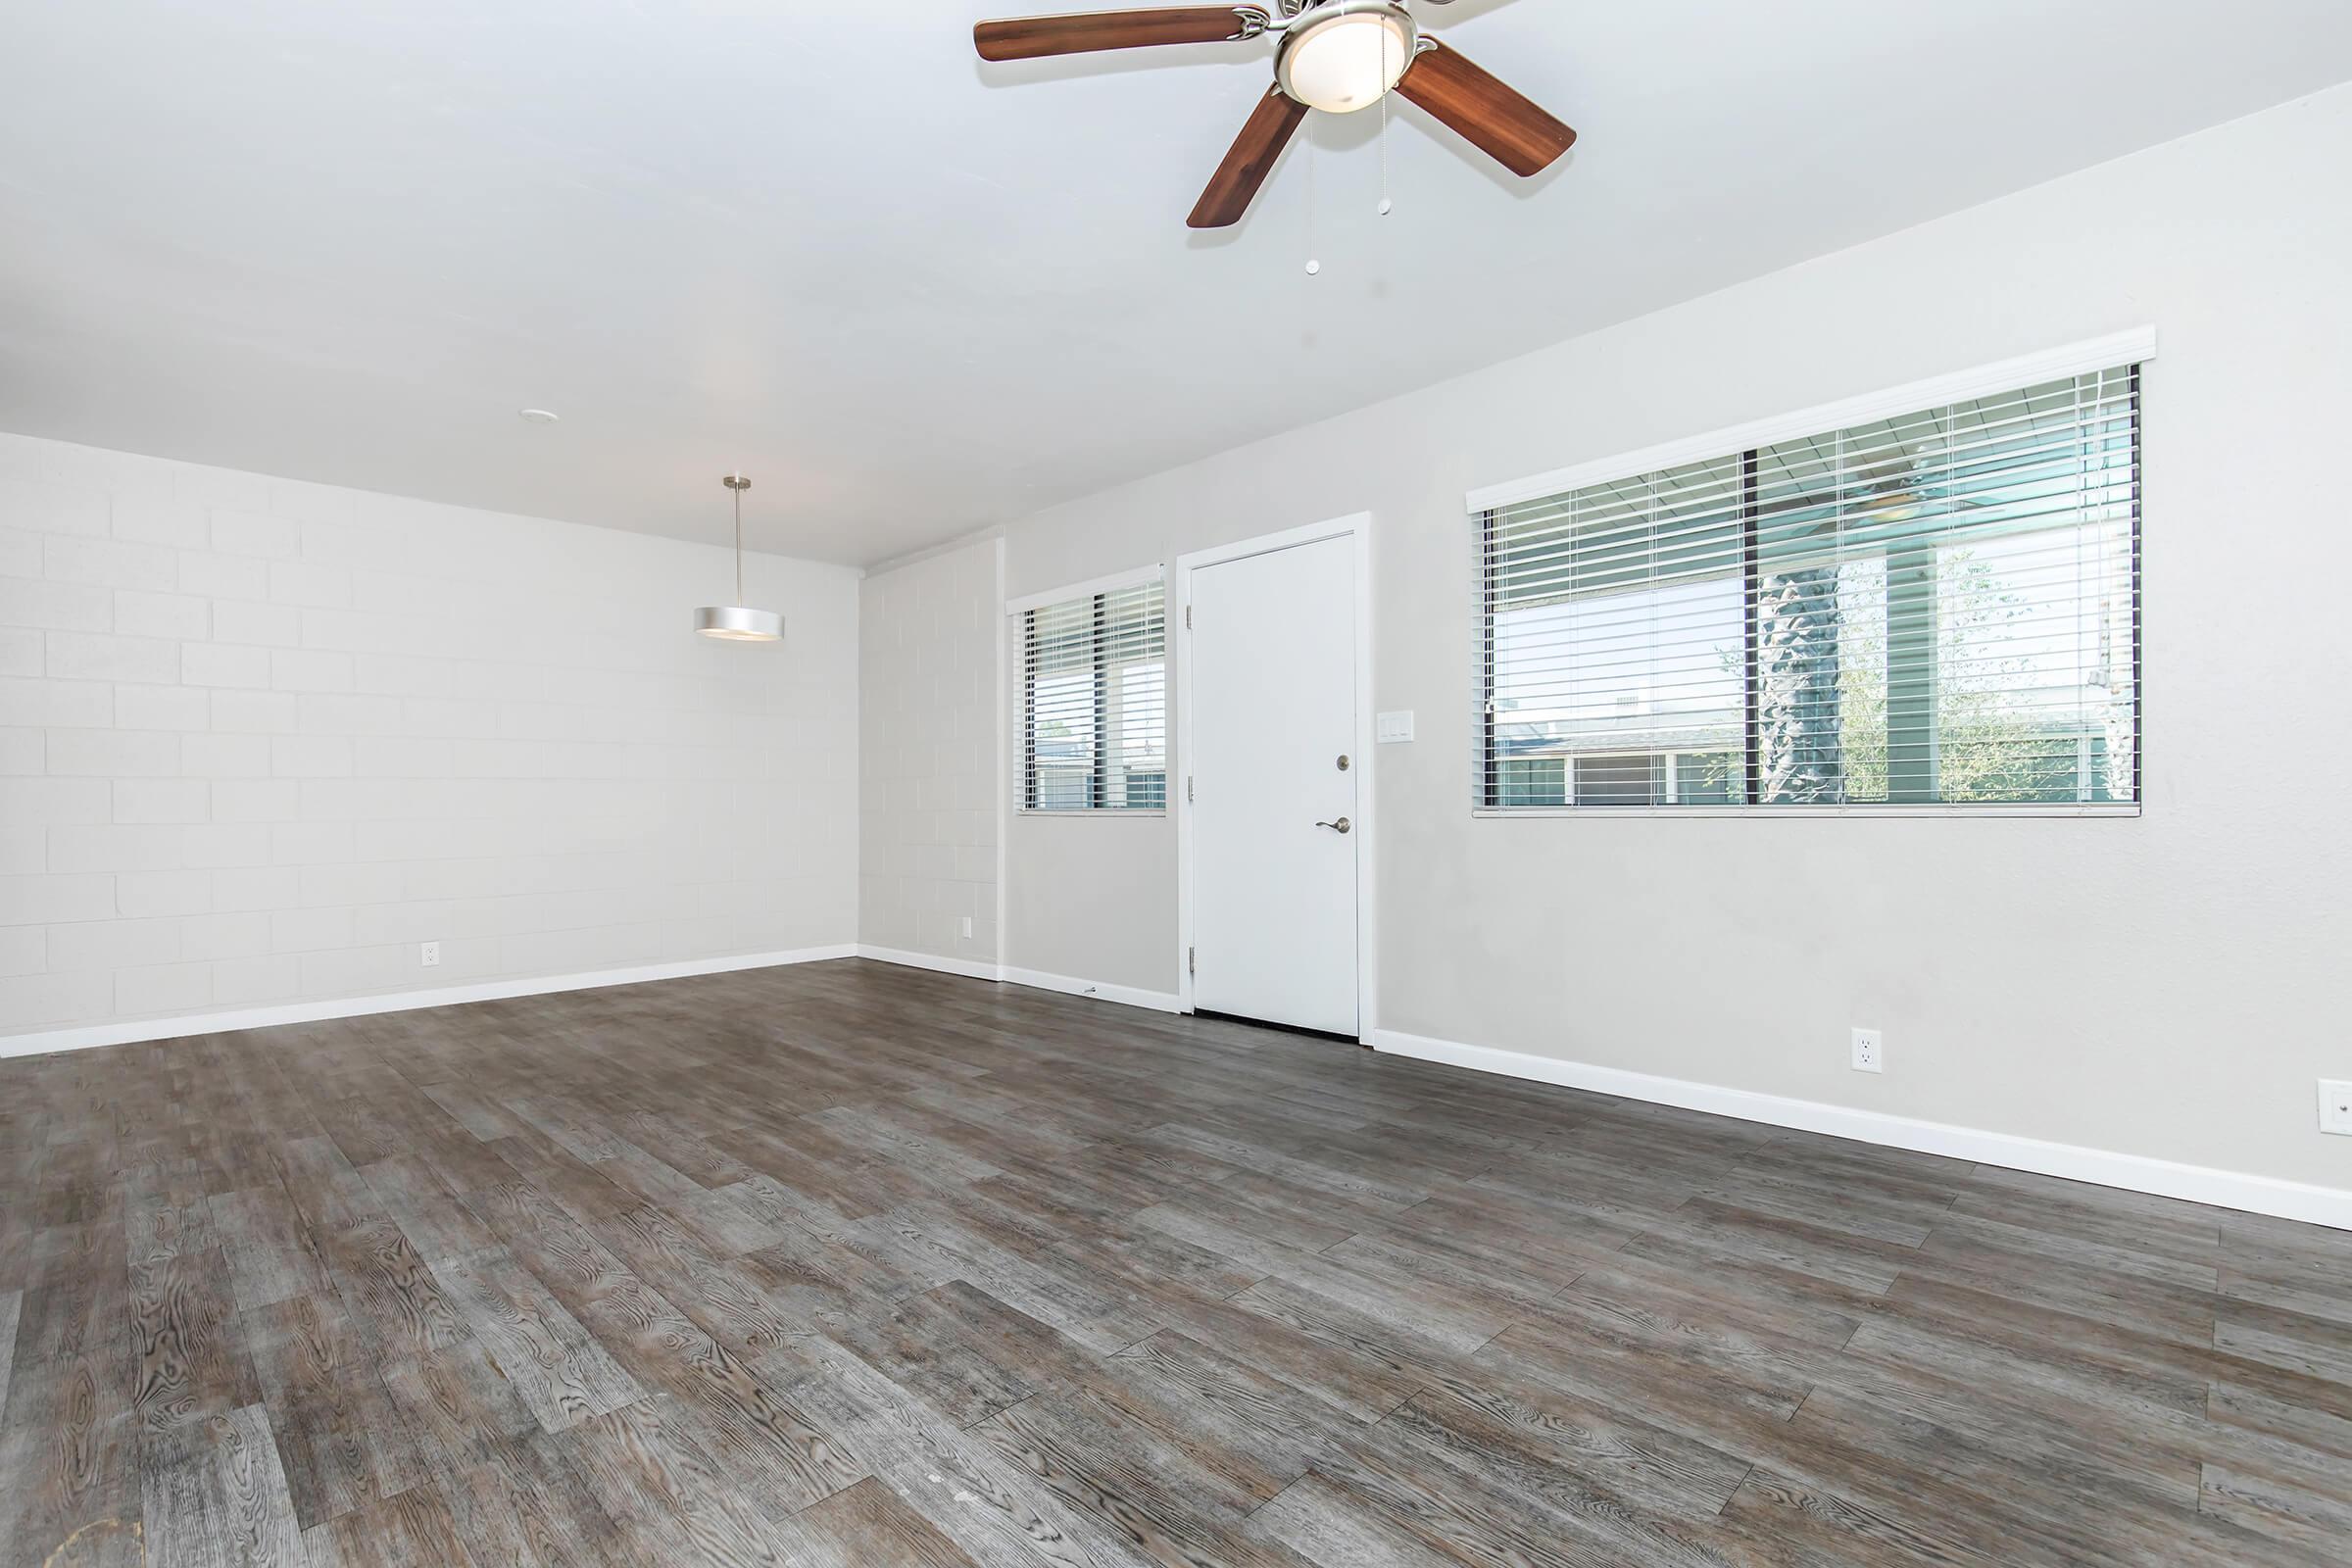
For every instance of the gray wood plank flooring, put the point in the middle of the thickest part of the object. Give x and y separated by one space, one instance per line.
849 1264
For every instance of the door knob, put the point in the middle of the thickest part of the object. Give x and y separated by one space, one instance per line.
1342 825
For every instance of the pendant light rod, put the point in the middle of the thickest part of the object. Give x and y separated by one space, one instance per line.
739 484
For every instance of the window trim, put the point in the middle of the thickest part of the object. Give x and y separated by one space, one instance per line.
1016 613
2135 347
1135 577
1815 814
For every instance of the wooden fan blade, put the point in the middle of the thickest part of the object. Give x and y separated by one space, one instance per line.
1248 162
1033 38
1499 120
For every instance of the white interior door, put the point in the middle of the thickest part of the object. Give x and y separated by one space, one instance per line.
1274 772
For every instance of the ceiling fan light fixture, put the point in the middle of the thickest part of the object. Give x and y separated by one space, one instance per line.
1346 55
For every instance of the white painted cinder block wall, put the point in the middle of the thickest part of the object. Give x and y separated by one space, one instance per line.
259 739
930 759
2166 987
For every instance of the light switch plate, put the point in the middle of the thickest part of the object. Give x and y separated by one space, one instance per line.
1395 727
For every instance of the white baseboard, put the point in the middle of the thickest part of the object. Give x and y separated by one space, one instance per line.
1125 996
228 1020
976 969
969 969
2139 1173
221 1022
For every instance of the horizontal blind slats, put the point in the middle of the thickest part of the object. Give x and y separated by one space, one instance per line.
1936 606
1094 682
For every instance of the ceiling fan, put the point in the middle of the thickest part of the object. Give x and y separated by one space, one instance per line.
1334 55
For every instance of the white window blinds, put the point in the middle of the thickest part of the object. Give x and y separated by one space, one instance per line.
1936 608
1094 682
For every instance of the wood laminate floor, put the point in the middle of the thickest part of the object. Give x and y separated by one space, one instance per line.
853 1264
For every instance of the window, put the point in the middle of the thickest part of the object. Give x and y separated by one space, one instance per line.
1094 734
1938 609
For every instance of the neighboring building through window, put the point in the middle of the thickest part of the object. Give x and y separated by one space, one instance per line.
1094 734
1936 608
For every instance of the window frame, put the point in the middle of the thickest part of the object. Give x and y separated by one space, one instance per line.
2132 351
1023 613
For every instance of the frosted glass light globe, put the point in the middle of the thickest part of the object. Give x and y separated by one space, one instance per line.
1346 57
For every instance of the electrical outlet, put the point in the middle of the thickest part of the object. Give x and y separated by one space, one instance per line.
1870 1051
2336 1106
428 954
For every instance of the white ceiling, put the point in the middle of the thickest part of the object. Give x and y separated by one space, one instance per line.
913 294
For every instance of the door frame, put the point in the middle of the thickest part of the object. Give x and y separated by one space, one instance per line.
1356 527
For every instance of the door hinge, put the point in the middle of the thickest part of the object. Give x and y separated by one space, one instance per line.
1188 617
1191 960
1187 789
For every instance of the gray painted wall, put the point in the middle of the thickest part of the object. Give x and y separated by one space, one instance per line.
2167 986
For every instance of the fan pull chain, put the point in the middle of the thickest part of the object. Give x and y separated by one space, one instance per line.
1313 267
1385 205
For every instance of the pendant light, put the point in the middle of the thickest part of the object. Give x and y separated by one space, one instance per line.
738 622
